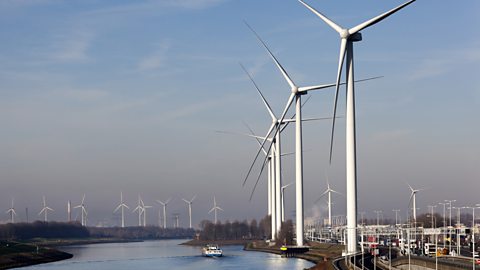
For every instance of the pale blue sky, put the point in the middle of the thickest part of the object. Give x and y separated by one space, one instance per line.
102 96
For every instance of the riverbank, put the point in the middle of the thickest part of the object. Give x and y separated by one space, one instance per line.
322 254
82 241
14 254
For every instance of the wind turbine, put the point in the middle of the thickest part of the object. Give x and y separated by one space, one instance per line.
12 213
144 208
329 203
164 211
122 207
83 211
413 201
348 36
283 201
45 210
189 203
139 209
215 208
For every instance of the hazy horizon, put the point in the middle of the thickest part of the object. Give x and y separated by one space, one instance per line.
99 97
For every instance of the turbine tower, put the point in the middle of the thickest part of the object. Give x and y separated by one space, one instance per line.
329 192
83 211
189 203
164 204
122 207
215 208
348 36
69 211
45 210
12 213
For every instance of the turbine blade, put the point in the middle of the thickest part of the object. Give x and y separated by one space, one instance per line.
219 208
270 111
169 199
335 26
83 199
116 209
256 137
211 210
258 153
317 118
343 48
193 198
185 200
377 19
258 178
279 66
316 87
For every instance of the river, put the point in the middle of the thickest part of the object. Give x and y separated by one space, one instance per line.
166 254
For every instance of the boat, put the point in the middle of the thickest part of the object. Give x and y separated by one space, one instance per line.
212 251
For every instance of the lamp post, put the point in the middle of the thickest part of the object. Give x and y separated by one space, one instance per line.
473 232
450 225
444 223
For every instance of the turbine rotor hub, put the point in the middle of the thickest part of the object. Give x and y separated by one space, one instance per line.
344 33
295 90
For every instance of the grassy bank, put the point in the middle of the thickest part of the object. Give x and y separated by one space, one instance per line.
14 254
321 254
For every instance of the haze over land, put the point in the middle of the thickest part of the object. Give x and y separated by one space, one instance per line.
99 97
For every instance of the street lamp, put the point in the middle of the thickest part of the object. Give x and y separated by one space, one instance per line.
450 225
473 233
444 223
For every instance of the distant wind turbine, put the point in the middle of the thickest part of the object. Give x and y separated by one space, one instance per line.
69 211
45 210
189 203
328 192
121 207
215 208
144 208
283 200
348 37
164 204
12 213
83 211
413 201
139 209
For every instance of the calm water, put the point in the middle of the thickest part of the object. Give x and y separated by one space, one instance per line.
166 254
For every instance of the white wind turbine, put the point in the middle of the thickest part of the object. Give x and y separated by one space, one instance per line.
215 208
83 211
273 160
45 210
283 200
189 203
328 192
12 213
122 207
164 204
348 36
413 201
139 209
144 208
296 93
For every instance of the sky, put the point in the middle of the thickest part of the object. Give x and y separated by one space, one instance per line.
103 96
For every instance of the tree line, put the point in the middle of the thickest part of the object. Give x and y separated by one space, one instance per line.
244 230
66 230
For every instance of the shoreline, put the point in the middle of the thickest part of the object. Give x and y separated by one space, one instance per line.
15 254
322 255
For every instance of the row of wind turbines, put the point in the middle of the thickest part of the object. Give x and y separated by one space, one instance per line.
272 151
140 209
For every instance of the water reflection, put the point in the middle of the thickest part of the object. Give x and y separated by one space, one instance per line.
166 254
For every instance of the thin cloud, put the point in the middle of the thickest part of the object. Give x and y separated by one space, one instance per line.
74 47
156 59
